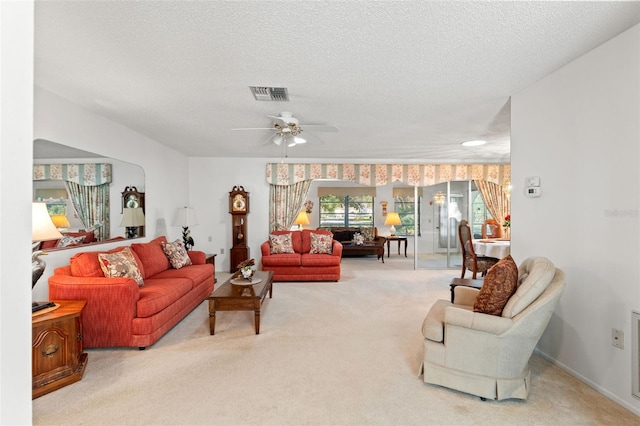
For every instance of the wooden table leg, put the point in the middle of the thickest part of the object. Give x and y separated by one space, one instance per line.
405 247
212 317
257 315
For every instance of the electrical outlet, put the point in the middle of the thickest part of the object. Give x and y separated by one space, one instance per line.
617 338
221 251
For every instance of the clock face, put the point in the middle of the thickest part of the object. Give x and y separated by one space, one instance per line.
238 203
132 201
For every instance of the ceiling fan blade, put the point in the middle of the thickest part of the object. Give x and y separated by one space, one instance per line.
319 127
254 128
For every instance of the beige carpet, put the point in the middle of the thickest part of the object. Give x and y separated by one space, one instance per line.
344 353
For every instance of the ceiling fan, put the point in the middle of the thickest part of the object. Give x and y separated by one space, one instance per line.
287 129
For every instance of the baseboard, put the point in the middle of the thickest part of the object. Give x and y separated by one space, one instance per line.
589 383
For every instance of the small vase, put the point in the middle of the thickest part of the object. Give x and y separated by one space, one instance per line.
507 233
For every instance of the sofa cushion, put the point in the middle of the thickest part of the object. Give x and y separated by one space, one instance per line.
368 233
286 259
321 243
499 285
152 256
120 264
176 254
159 293
295 239
306 238
86 264
281 243
309 259
195 273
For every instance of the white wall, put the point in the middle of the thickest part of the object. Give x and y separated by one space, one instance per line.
16 112
578 130
165 170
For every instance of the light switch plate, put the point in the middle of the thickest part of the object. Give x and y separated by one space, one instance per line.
532 181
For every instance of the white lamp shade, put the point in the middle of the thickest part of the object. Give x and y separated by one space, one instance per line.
132 217
42 227
185 217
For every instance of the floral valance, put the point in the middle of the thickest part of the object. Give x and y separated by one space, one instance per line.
383 174
83 174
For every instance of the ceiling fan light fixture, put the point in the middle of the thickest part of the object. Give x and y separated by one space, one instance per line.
277 139
473 143
298 139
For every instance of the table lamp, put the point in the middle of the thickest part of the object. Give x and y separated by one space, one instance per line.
302 219
186 217
42 229
60 221
132 218
392 219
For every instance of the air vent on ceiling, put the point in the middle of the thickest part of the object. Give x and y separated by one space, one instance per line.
262 93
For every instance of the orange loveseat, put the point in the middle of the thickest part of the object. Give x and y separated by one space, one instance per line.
118 311
302 265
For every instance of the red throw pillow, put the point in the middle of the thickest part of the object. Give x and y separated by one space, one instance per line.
499 285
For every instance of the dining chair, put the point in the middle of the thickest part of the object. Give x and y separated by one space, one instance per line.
469 259
491 229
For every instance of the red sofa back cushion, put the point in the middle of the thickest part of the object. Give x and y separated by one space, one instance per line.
151 256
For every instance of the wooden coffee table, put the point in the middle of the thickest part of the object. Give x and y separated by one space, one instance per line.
240 297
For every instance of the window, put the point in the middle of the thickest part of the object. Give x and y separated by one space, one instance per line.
480 213
404 208
355 211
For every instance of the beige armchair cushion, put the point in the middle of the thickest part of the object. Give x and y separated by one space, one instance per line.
539 273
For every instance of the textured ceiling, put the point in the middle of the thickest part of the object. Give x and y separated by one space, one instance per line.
402 81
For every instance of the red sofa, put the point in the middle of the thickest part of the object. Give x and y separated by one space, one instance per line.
302 265
118 311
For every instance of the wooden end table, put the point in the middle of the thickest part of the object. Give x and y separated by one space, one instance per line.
467 282
240 297
57 358
398 239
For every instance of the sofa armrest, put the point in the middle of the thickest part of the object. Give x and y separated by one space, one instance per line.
476 321
197 257
265 248
110 309
336 248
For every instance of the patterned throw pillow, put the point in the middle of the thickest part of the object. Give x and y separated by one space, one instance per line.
281 243
120 264
321 243
499 285
176 254
68 241
368 233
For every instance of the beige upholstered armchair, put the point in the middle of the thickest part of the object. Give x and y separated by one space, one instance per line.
488 355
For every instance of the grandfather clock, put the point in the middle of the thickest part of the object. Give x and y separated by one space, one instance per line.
238 208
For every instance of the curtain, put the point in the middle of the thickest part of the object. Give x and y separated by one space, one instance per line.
496 200
91 203
285 204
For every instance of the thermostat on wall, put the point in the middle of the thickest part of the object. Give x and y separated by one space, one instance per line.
533 192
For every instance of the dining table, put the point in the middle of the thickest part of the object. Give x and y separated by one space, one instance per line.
492 247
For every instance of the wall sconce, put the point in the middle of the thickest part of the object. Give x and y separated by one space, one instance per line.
439 198
384 207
